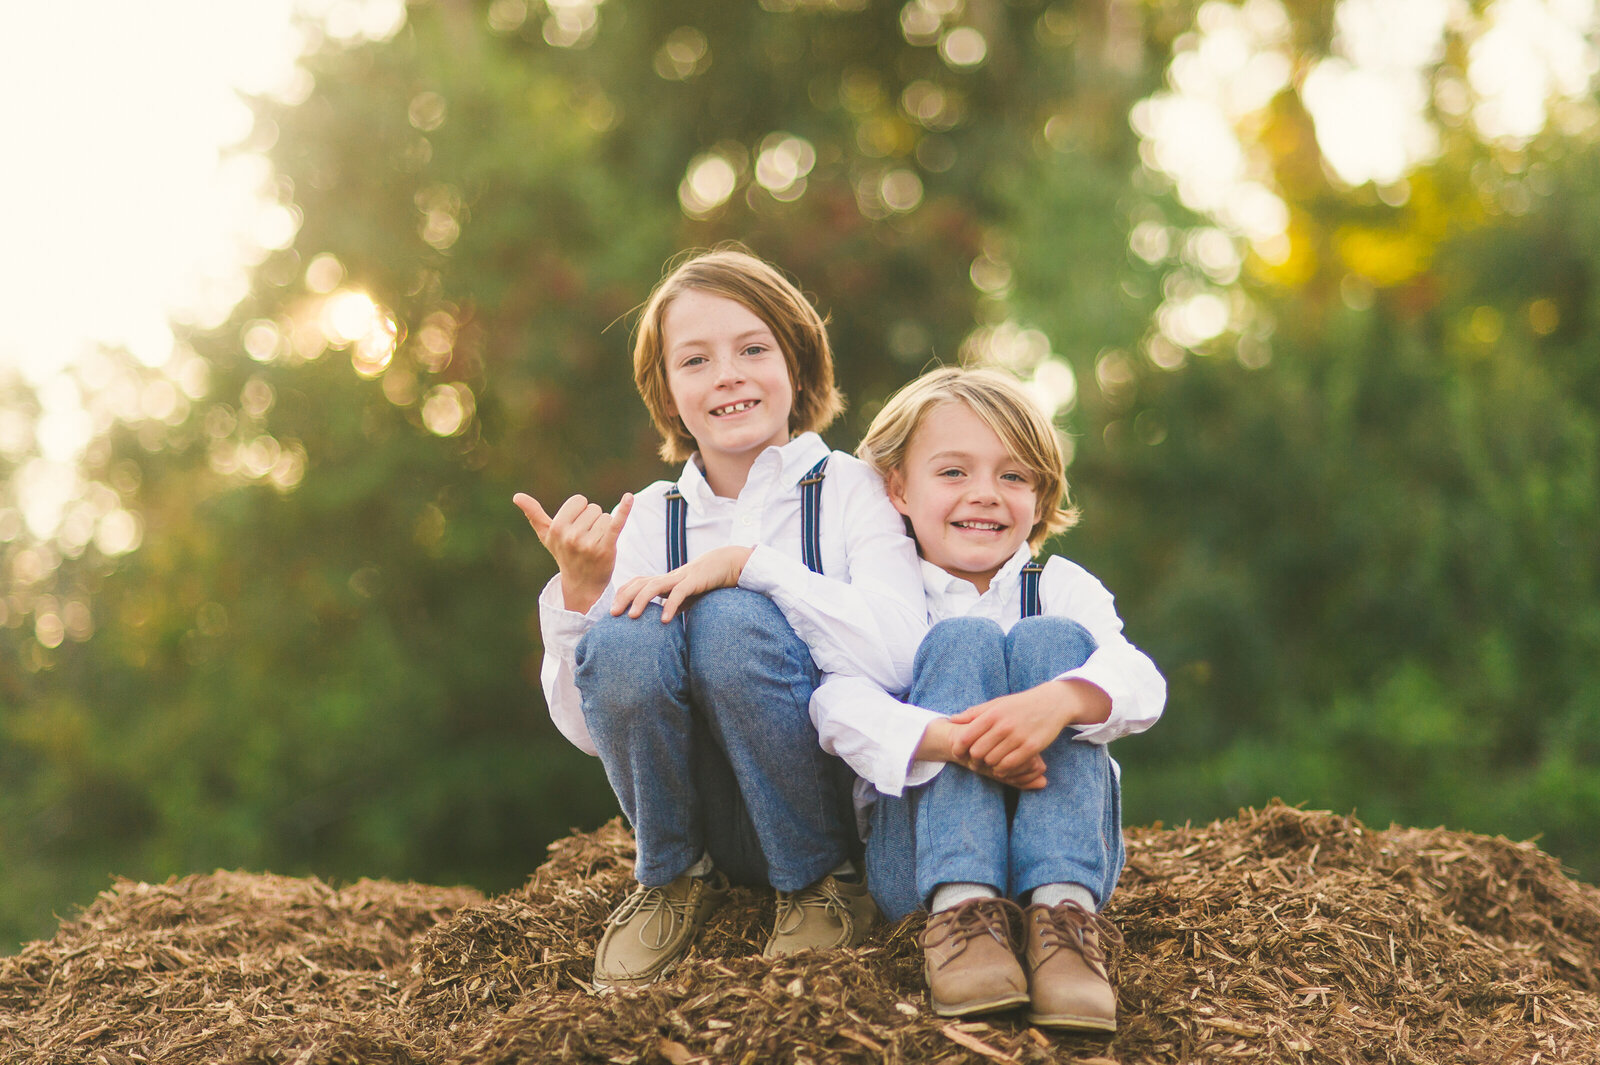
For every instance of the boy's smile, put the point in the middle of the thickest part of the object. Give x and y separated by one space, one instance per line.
971 504
728 382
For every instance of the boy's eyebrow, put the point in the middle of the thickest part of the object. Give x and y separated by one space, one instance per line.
760 333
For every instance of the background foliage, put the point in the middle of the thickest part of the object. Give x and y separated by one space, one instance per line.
1356 527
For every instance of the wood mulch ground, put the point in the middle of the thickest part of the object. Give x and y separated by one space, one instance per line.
1278 936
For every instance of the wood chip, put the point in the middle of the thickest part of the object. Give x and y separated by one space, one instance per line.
973 1043
1345 945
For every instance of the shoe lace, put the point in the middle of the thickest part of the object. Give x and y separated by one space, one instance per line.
1068 926
792 905
662 913
970 920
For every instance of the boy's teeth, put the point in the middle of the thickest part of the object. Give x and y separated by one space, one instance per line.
989 526
735 408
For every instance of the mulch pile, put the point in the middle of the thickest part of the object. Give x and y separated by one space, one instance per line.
1278 936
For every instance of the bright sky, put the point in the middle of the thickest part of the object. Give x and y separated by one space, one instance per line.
126 203
119 209
1373 101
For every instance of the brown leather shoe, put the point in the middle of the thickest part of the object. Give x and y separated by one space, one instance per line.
1067 980
652 930
969 956
829 914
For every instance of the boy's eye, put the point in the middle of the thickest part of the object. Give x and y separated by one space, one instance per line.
1019 478
952 472
755 349
693 360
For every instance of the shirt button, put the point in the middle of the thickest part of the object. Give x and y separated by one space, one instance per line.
745 520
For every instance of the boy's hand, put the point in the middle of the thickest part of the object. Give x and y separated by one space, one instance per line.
1009 732
936 746
718 568
583 539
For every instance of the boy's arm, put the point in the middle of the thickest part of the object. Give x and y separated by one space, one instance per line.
1135 688
561 627
876 734
869 626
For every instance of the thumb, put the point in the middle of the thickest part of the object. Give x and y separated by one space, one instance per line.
533 511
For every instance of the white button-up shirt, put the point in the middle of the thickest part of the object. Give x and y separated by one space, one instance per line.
863 615
877 734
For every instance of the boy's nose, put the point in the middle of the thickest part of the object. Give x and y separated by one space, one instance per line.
728 370
983 490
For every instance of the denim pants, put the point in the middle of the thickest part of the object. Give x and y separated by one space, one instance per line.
704 728
964 827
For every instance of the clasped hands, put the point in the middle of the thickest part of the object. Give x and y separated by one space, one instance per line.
1004 739
582 537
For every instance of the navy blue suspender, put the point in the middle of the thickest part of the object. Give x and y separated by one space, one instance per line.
810 521
811 516
677 529
1030 589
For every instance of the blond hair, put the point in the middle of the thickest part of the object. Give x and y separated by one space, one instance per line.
802 335
997 398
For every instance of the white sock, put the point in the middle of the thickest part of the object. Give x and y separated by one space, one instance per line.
948 895
846 870
1056 894
702 867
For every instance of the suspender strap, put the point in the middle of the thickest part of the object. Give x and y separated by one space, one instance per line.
677 529
1030 589
811 516
810 521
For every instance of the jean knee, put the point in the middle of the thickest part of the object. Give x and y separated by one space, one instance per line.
1061 642
730 627
733 614
625 665
962 637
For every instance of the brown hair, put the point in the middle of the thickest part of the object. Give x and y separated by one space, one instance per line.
802 335
999 400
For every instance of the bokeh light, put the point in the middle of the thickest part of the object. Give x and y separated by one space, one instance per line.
447 408
707 184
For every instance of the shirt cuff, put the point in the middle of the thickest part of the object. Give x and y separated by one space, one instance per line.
896 769
767 570
1111 728
557 623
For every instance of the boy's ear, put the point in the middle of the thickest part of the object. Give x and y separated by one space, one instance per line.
895 486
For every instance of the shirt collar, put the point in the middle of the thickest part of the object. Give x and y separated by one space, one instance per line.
794 460
936 581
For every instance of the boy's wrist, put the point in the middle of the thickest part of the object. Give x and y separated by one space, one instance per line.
1082 702
935 743
579 596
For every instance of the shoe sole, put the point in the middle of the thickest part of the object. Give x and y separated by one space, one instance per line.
999 1002
1072 1023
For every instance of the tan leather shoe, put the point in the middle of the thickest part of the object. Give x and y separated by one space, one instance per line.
829 914
652 930
1067 980
969 956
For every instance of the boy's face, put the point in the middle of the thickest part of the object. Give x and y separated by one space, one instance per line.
726 376
970 502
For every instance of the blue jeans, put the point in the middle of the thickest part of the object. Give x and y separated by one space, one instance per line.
704 729
964 827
